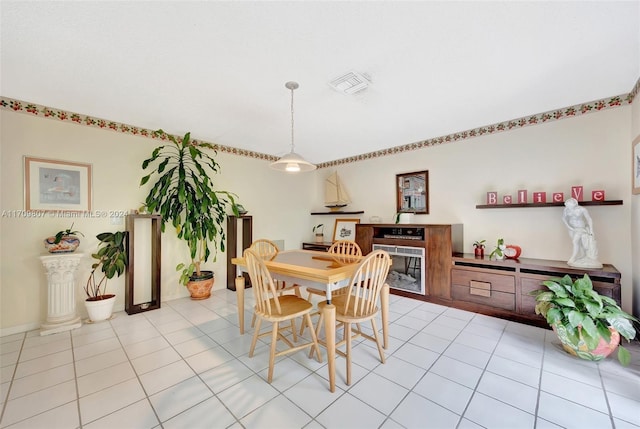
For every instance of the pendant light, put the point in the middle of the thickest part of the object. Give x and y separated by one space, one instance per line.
292 162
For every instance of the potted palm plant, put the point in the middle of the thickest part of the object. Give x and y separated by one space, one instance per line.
183 193
111 259
589 325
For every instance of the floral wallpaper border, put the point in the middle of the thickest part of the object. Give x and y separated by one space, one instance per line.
540 118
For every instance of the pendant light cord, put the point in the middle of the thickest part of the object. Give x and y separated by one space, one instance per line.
292 119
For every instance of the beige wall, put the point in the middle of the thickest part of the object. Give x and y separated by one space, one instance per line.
279 203
590 150
635 215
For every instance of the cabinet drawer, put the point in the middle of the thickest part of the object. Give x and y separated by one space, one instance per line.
499 282
493 298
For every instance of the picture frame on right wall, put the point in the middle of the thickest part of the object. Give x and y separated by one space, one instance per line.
635 166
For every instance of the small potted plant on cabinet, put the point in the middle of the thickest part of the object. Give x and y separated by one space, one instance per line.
478 248
65 241
111 259
184 194
498 252
318 230
589 325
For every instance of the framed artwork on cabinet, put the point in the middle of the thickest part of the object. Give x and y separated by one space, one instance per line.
345 229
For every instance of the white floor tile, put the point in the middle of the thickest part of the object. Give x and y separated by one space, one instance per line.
106 401
624 408
509 391
38 402
225 376
491 413
312 394
429 341
514 370
418 412
243 398
277 413
466 354
571 390
41 380
444 392
179 398
62 417
137 415
569 414
144 347
379 392
100 362
416 355
400 371
155 360
167 376
349 412
457 371
209 413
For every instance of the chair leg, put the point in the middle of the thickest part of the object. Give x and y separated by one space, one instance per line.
347 333
315 346
377 337
255 338
272 353
253 320
293 330
318 327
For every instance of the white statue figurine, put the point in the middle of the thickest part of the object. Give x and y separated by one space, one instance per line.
580 226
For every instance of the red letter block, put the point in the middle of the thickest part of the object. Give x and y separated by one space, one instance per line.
539 197
506 199
558 197
522 196
597 195
492 198
576 192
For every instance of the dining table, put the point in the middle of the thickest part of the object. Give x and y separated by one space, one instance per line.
316 269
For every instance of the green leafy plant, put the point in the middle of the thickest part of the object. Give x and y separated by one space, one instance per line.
479 243
583 315
499 250
111 259
65 233
184 194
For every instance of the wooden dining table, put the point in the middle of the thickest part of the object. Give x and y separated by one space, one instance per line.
315 269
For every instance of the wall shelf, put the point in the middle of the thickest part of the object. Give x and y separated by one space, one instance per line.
516 205
338 213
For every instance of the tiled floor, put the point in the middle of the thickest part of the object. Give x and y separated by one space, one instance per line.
186 366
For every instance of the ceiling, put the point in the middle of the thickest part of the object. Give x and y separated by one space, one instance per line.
218 69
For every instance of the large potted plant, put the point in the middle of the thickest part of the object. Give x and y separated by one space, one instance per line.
589 325
184 194
111 259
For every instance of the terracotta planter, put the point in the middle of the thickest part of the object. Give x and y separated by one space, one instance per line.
200 287
100 309
581 350
67 244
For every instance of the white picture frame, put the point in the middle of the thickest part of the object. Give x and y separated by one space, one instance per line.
345 229
57 186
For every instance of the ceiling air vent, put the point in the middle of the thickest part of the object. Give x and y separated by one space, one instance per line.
350 83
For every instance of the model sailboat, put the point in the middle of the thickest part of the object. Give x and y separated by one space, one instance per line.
335 195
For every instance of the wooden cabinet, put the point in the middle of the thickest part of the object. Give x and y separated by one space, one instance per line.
501 288
419 250
237 242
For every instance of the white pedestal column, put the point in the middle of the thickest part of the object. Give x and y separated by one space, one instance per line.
61 308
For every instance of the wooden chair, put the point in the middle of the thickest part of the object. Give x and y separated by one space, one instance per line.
340 248
360 304
275 308
267 250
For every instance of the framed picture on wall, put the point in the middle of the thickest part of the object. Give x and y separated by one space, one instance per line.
52 185
635 166
345 229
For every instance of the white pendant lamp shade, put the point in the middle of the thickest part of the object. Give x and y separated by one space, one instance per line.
292 162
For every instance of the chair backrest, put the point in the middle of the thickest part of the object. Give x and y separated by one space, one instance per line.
366 283
345 247
264 288
266 249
